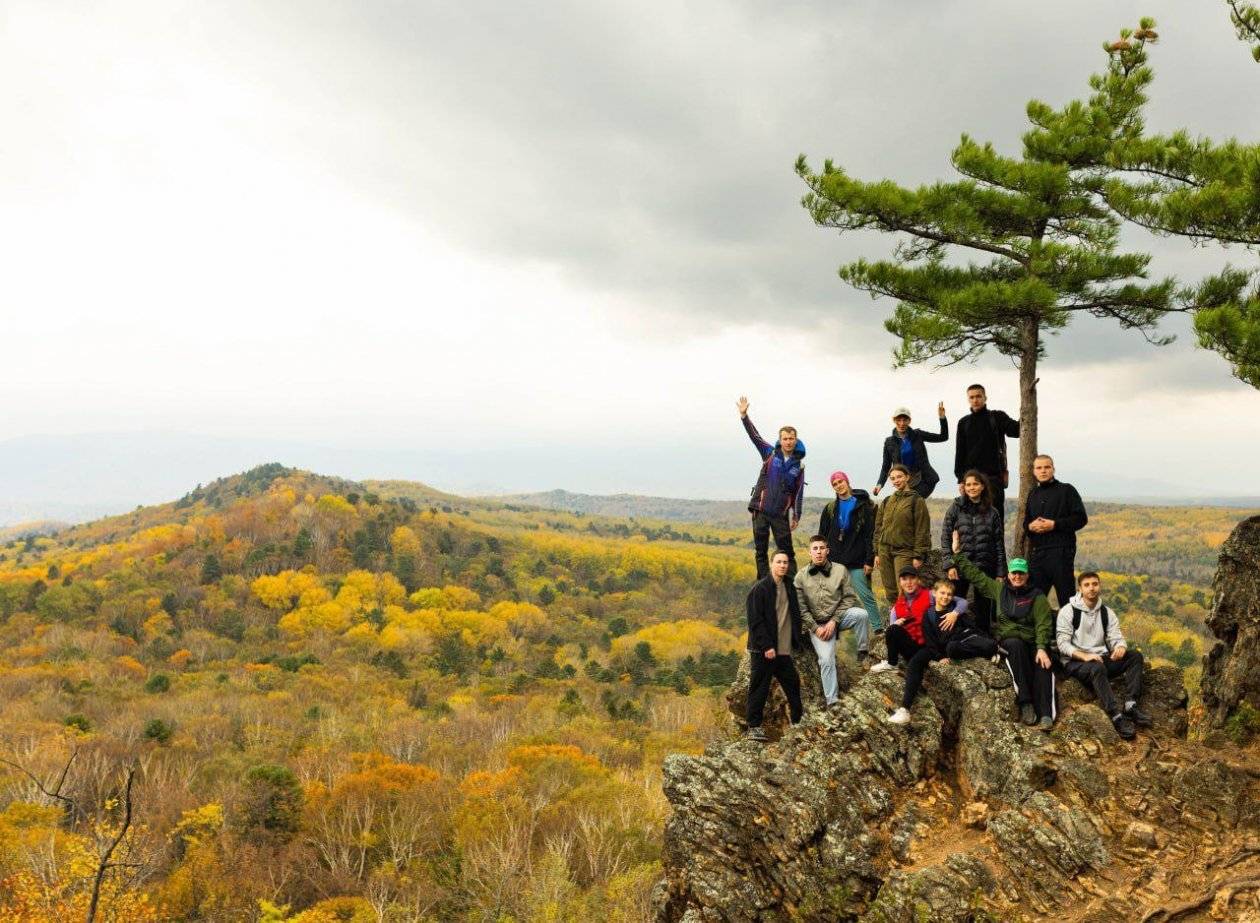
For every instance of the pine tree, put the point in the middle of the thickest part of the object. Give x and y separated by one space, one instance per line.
1010 252
1202 190
1246 20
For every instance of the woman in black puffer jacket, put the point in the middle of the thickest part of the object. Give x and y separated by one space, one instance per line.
979 525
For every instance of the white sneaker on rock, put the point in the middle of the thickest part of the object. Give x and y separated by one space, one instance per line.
900 716
882 667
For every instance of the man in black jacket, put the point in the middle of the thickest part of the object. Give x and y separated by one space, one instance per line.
906 447
848 524
980 443
1054 515
774 628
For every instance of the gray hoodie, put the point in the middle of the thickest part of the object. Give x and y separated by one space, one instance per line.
1089 636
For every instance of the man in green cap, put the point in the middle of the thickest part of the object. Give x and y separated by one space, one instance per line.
1025 631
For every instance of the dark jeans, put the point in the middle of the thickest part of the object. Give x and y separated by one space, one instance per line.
762 526
1097 676
981 605
1053 567
917 657
764 670
1034 685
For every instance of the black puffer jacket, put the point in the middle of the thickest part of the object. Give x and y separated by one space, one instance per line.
983 539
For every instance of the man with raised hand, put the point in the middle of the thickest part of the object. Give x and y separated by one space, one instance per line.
1094 650
1055 513
774 629
907 446
1025 631
777 496
980 444
828 607
848 523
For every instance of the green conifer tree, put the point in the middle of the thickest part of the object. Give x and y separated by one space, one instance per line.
1009 253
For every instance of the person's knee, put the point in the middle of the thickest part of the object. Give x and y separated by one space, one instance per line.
1093 669
1136 658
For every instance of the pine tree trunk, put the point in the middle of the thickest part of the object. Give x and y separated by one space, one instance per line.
1030 338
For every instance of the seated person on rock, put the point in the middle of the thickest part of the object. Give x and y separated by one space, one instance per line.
830 605
1094 650
945 610
774 628
951 631
1025 631
905 640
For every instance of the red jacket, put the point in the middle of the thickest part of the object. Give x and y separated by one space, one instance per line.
910 612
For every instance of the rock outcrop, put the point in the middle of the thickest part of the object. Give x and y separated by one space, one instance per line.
1231 671
963 814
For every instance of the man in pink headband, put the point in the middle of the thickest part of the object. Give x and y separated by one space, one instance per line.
848 524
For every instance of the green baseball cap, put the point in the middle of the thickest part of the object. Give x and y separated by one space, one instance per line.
1017 565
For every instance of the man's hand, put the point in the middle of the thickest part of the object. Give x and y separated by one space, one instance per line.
826 631
1041 524
944 660
947 623
1043 660
875 490
1117 652
961 492
957 542
1090 658
742 406
940 410
952 574
770 654
793 523
867 568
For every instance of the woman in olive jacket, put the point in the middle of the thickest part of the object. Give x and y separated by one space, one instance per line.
903 531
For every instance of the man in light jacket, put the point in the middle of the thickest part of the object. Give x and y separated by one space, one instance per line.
1094 650
829 606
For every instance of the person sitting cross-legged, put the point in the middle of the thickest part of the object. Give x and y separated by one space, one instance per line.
1094 650
1025 630
829 606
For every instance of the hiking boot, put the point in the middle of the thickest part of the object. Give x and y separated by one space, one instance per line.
1138 717
833 707
1028 715
758 734
1000 657
900 716
883 667
1124 726
1046 724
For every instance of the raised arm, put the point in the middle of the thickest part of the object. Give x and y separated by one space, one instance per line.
763 448
996 520
944 435
978 578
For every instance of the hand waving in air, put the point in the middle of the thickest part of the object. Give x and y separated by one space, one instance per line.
940 410
742 406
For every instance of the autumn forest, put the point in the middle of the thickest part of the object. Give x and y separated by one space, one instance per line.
287 697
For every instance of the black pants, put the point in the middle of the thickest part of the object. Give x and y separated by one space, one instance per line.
917 657
762 526
1034 685
1053 567
1097 676
764 670
981 605
970 646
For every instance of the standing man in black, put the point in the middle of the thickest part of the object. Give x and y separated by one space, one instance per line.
1054 515
980 444
774 629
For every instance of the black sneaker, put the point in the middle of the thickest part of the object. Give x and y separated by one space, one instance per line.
757 734
1124 727
1138 717
1028 715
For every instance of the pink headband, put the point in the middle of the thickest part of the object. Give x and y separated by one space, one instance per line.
837 474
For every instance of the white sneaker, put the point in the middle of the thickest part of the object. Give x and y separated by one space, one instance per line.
882 667
900 716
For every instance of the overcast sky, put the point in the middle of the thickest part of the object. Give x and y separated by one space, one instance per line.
500 246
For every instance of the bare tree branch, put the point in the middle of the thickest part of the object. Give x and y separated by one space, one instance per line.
61 781
104 865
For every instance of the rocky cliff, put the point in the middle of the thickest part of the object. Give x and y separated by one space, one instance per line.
965 814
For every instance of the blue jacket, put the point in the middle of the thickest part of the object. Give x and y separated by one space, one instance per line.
780 486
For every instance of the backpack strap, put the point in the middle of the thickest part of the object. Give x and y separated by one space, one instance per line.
1076 620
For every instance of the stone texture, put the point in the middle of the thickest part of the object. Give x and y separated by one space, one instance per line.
1231 670
948 893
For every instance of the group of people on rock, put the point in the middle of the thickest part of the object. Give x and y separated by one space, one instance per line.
1008 619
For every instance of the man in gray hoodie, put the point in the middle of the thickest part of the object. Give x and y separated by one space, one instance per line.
1094 650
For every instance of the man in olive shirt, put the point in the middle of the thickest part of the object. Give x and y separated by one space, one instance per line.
774 629
829 605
